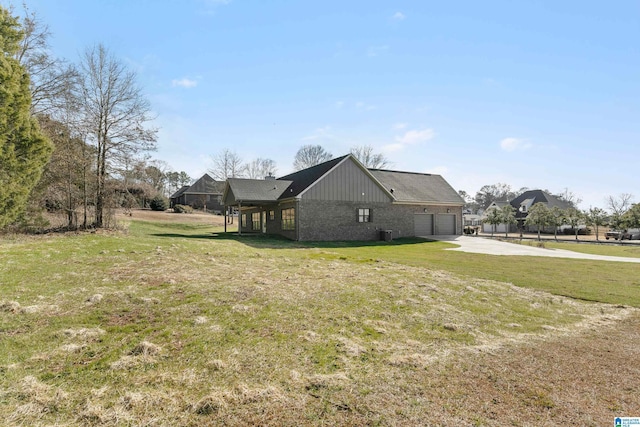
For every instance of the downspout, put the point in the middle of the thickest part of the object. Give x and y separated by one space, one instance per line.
239 217
225 218
298 220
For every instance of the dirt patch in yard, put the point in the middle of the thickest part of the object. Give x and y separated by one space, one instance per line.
585 380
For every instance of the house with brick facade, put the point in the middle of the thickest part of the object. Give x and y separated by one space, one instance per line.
343 200
205 193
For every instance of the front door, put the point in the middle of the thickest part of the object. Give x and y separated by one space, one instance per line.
264 222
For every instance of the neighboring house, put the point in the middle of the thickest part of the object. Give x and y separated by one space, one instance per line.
488 228
343 200
205 193
471 219
523 203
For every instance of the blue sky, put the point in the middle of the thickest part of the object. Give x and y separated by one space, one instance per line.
538 94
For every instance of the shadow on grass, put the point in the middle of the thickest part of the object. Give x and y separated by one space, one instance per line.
279 242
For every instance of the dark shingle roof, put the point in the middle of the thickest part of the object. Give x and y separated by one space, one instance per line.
207 185
304 178
256 190
179 192
417 187
404 186
540 196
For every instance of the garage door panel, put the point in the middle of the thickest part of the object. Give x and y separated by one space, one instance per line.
446 224
423 224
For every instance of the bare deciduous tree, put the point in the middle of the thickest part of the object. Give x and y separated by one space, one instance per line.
569 197
310 155
115 114
260 168
226 164
48 75
366 156
618 205
65 181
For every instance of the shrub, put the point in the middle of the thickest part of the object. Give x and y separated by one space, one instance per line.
158 203
581 231
182 209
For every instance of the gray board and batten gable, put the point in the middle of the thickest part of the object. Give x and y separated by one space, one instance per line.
345 180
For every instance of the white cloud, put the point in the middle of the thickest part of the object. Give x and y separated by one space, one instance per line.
514 144
363 106
320 133
184 82
398 16
392 147
400 126
415 136
410 137
374 51
210 6
339 104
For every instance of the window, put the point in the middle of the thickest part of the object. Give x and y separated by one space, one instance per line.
289 219
255 221
272 215
244 221
364 215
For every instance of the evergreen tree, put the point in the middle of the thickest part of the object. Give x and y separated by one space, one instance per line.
24 150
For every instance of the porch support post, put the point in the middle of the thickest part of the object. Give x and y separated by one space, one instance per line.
239 218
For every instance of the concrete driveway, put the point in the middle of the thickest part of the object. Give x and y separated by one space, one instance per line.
480 245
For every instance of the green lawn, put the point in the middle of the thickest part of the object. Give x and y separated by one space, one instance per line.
610 282
622 249
177 324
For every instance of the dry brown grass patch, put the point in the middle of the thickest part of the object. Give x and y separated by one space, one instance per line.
84 334
39 399
11 307
146 348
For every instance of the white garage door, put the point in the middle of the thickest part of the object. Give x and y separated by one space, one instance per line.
423 224
446 224
488 228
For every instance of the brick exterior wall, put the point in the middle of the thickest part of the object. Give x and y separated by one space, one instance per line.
321 220
332 220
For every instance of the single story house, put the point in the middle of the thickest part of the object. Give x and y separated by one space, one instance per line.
343 200
205 193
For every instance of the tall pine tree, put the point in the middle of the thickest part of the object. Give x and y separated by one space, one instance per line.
24 150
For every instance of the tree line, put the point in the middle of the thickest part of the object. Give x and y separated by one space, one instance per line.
74 137
228 164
